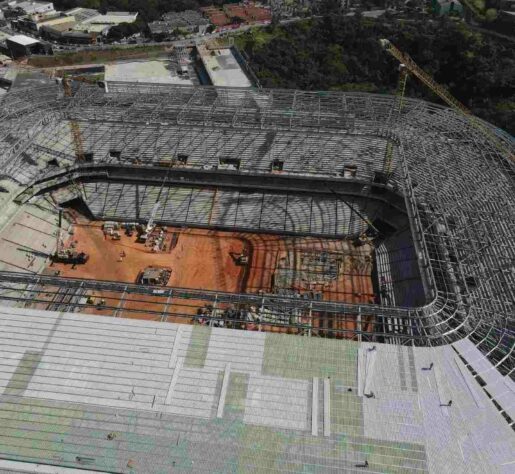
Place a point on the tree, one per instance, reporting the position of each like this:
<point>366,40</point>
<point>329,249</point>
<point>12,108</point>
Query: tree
<point>491,14</point>
<point>123,30</point>
<point>343,53</point>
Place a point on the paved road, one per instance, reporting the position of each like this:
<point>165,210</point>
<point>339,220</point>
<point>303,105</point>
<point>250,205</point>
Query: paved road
<point>181,42</point>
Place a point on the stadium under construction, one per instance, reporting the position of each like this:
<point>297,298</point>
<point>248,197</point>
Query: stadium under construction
<point>245,280</point>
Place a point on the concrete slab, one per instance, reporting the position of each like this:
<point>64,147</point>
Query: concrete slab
<point>275,402</point>
<point>155,71</point>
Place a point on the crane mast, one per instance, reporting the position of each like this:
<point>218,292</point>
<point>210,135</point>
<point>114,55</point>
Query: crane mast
<point>150,223</point>
<point>396,111</point>
<point>78,143</point>
<point>75,128</point>
<point>444,94</point>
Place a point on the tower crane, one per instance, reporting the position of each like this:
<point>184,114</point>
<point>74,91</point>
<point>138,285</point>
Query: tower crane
<point>444,94</point>
<point>76,133</point>
<point>396,111</point>
<point>75,128</point>
<point>150,223</point>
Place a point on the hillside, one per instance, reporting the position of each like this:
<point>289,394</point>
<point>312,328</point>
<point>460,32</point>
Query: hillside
<point>343,53</point>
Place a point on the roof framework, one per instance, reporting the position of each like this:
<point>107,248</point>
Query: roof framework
<point>459,190</point>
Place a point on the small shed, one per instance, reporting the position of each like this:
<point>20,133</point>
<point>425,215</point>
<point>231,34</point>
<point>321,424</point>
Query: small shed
<point>21,45</point>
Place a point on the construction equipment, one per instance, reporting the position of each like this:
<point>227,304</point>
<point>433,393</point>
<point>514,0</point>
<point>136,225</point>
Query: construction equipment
<point>66,255</point>
<point>150,224</point>
<point>129,229</point>
<point>395,113</point>
<point>426,79</point>
<point>75,128</point>
<point>70,256</point>
<point>242,258</point>
<point>154,276</point>
<point>76,133</point>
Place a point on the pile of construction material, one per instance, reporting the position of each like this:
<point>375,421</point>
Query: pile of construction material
<point>155,276</point>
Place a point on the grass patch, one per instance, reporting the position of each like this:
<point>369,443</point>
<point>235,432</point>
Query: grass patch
<point>256,38</point>
<point>97,57</point>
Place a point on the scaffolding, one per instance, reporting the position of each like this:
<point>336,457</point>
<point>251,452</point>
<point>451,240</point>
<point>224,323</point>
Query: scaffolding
<point>458,187</point>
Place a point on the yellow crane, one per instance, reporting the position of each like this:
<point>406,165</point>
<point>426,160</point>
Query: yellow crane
<point>444,94</point>
<point>75,128</point>
<point>397,108</point>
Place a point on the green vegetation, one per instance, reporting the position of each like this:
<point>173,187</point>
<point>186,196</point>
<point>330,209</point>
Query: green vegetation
<point>293,357</point>
<point>22,376</point>
<point>236,393</point>
<point>97,57</point>
<point>390,457</point>
<point>258,37</point>
<point>197,349</point>
<point>346,410</point>
<point>343,53</point>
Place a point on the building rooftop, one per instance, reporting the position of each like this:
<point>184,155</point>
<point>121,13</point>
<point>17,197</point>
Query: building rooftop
<point>247,12</point>
<point>112,18</point>
<point>222,68</point>
<point>82,13</point>
<point>59,27</point>
<point>94,22</point>
<point>23,40</point>
<point>157,27</point>
<point>156,71</point>
<point>170,21</point>
<point>191,17</point>
<point>30,5</point>
<point>91,27</point>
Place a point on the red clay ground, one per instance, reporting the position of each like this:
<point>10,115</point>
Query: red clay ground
<point>205,259</point>
<point>199,260</point>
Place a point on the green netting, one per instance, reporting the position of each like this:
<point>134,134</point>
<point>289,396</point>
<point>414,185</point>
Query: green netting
<point>236,393</point>
<point>197,349</point>
<point>302,357</point>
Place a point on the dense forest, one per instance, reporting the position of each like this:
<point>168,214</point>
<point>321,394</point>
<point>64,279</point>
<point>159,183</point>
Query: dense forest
<point>343,53</point>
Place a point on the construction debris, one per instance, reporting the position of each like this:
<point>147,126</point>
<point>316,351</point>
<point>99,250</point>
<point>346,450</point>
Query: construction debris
<point>154,276</point>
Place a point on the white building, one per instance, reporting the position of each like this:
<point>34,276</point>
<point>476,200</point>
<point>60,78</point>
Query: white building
<point>31,7</point>
<point>21,45</point>
<point>222,67</point>
<point>92,21</point>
